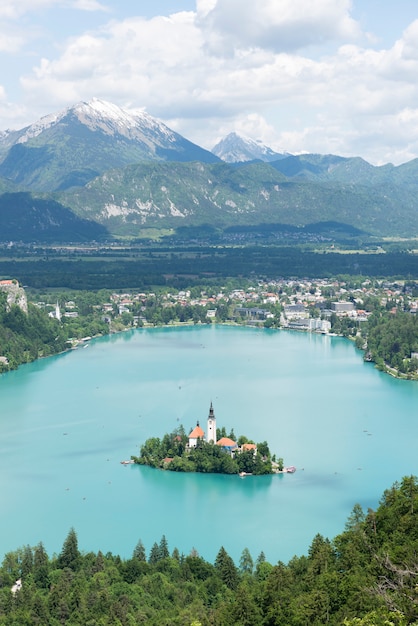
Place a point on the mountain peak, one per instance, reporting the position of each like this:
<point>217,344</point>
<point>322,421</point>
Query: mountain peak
<point>236,148</point>
<point>100,115</point>
<point>85,140</point>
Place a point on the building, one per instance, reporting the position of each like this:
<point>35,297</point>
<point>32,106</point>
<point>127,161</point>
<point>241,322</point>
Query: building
<point>295,311</point>
<point>342,307</point>
<point>199,434</point>
<point>211,432</point>
<point>196,434</point>
<point>227,444</point>
<point>311,324</point>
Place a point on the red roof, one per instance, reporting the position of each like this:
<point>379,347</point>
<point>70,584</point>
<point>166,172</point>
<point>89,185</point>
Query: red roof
<point>248,446</point>
<point>197,433</point>
<point>226,442</point>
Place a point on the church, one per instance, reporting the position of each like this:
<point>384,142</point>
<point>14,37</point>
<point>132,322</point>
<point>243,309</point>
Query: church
<point>198,432</point>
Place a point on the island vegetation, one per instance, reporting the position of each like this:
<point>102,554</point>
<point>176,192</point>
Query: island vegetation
<point>173,452</point>
<point>365,576</point>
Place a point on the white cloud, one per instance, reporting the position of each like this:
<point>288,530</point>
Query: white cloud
<point>279,25</point>
<point>14,9</point>
<point>183,69</point>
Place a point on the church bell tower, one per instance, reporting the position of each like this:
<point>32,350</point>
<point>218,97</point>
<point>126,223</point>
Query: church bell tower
<point>211,430</point>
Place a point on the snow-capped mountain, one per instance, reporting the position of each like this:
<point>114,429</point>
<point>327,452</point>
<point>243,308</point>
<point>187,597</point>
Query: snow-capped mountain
<point>235,148</point>
<point>73,146</point>
<point>108,118</point>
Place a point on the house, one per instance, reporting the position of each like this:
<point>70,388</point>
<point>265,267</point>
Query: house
<point>227,444</point>
<point>196,434</point>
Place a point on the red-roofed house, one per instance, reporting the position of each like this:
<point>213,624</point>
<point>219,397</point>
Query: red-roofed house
<point>197,433</point>
<point>227,443</point>
<point>249,446</point>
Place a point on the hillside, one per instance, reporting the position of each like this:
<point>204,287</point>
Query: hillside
<point>171,195</point>
<point>26,218</point>
<point>26,333</point>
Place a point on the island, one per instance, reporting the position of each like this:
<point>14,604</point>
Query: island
<point>210,452</point>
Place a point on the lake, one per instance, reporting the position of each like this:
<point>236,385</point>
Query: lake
<point>66,423</point>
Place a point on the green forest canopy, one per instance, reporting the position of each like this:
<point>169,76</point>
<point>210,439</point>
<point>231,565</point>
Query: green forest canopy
<point>366,576</point>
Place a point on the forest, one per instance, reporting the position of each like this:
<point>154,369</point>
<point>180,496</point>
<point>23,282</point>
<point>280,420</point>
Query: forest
<point>144,267</point>
<point>391,339</point>
<point>25,337</point>
<point>365,576</point>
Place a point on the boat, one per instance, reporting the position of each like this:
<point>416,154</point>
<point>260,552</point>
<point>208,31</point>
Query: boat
<point>291,469</point>
<point>127,462</point>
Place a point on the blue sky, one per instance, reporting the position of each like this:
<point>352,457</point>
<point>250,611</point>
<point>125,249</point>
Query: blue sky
<point>329,76</point>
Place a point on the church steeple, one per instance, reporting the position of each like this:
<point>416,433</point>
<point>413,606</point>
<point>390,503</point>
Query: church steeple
<point>211,430</point>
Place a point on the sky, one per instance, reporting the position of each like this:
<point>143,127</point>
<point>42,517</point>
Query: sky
<point>324,76</point>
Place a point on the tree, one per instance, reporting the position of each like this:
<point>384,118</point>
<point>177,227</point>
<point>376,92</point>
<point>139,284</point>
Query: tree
<point>40,566</point>
<point>27,561</point>
<point>139,552</point>
<point>246,563</point>
<point>154,555</point>
<point>226,569</point>
<point>163,548</point>
<point>70,555</point>
<point>263,449</point>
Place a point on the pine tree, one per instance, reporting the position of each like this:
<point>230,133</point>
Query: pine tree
<point>246,563</point>
<point>27,561</point>
<point>226,568</point>
<point>70,555</point>
<point>163,548</point>
<point>139,552</point>
<point>40,566</point>
<point>154,555</point>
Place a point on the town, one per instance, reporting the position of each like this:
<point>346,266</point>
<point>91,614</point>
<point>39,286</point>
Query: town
<point>339,306</point>
<point>310,305</point>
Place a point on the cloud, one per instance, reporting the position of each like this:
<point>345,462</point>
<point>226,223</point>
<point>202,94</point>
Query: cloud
<point>14,9</point>
<point>206,73</point>
<point>278,25</point>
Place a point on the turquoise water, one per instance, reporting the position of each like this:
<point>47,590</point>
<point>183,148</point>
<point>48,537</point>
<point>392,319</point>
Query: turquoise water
<point>67,422</point>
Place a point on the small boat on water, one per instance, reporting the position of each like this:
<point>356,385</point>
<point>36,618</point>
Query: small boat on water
<point>127,462</point>
<point>291,469</point>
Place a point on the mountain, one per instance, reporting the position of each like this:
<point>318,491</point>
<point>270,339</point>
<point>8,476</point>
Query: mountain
<point>28,219</point>
<point>236,148</point>
<point>95,170</point>
<point>75,145</point>
<point>171,195</point>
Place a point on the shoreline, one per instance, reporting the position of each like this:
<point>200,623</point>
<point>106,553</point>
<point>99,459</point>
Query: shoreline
<point>83,342</point>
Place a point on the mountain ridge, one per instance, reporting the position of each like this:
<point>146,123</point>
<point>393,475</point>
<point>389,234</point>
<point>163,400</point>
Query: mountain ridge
<point>126,171</point>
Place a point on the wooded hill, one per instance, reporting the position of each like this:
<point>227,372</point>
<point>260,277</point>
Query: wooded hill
<point>170,195</point>
<point>366,576</point>
<point>133,200</point>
